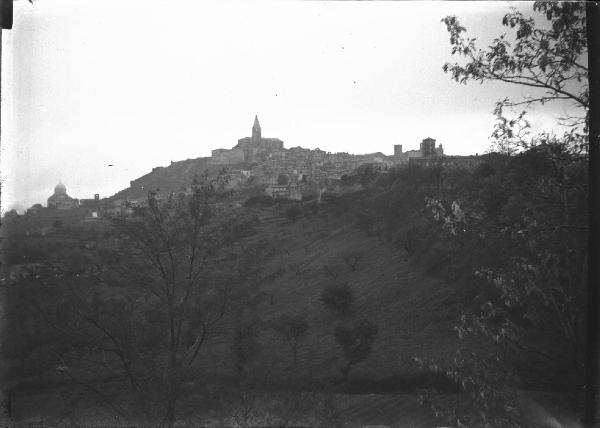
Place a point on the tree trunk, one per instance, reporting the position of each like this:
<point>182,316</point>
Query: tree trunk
<point>295,351</point>
<point>7,403</point>
<point>171,401</point>
<point>172,388</point>
<point>346,372</point>
<point>169,420</point>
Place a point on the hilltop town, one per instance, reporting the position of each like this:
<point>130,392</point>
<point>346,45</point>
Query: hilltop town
<point>276,281</point>
<point>255,162</point>
<point>282,172</point>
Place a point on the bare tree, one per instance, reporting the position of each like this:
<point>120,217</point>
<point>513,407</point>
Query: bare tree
<point>352,258</point>
<point>334,270</point>
<point>293,329</point>
<point>142,306</point>
<point>171,243</point>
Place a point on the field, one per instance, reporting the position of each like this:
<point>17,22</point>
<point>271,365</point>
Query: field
<point>415,313</point>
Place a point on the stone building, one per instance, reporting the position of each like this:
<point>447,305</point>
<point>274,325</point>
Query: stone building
<point>92,205</point>
<point>284,191</point>
<point>278,191</point>
<point>60,200</point>
<point>427,150</point>
<point>248,149</point>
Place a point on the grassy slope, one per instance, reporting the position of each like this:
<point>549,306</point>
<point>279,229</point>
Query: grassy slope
<point>414,311</point>
<point>409,307</point>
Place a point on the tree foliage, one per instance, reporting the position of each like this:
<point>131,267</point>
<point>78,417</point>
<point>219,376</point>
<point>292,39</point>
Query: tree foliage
<point>338,299</point>
<point>356,342</point>
<point>352,258</point>
<point>246,300</point>
<point>137,303</point>
<point>509,239</point>
<point>282,179</point>
<point>550,58</point>
<point>526,216</point>
<point>293,212</point>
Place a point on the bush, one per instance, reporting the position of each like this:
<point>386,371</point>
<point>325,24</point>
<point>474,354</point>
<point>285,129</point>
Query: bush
<point>339,299</point>
<point>282,179</point>
<point>356,342</point>
<point>293,213</point>
<point>334,270</point>
<point>259,201</point>
<point>329,198</point>
<point>313,206</point>
<point>352,258</point>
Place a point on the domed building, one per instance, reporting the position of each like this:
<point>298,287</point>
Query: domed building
<point>60,200</point>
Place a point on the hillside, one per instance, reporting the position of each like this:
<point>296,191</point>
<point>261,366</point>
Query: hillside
<point>167,179</point>
<point>412,309</point>
<point>414,278</point>
<point>415,312</point>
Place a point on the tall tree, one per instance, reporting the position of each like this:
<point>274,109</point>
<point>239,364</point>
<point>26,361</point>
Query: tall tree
<point>544,276</point>
<point>174,241</point>
<point>593,21</point>
<point>550,58</point>
<point>142,303</point>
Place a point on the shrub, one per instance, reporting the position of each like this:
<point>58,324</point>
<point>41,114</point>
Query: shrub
<point>328,197</point>
<point>352,258</point>
<point>282,179</point>
<point>313,206</point>
<point>339,299</point>
<point>334,270</point>
<point>259,200</point>
<point>356,342</point>
<point>293,213</point>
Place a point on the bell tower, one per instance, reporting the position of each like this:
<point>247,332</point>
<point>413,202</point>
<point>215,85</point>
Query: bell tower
<point>256,137</point>
<point>428,147</point>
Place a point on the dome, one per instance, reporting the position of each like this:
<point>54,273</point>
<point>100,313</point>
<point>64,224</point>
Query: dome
<point>60,189</point>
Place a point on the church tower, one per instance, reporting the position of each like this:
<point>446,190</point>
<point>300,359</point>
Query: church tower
<point>256,137</point>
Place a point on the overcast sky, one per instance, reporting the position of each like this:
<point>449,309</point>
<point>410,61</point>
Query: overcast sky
<point>138,83</point>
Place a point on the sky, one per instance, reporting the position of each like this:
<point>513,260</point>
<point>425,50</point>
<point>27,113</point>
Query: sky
<point>96,93</point>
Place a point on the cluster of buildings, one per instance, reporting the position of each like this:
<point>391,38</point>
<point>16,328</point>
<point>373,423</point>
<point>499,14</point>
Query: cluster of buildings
<point>268,154</point>
<point>60,206</point>
<point>61,201</point>
<point>249,149</point>
<point>284,173</point>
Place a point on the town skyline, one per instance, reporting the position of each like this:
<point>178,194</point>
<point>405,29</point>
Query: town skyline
<point>265,159</point>
<point>97,121</point>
